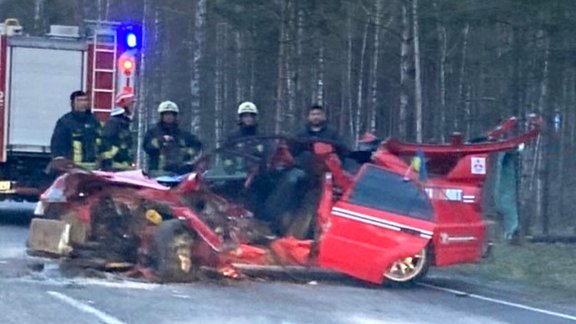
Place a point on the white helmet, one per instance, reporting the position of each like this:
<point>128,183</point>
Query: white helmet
<point>247,107</point>
<point>168,106</point>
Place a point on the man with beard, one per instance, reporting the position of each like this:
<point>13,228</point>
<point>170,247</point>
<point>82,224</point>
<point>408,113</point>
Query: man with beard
<point>169,148</point>
<point>318,128</point>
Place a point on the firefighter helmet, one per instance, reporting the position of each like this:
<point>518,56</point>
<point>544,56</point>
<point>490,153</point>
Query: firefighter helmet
<point>168,106</point>
<point>125,94</point>
<point>247,107</point>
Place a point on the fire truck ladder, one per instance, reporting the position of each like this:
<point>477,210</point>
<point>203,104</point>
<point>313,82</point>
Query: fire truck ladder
<point>102,94</point>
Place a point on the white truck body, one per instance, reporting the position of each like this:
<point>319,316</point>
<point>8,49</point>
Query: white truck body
<point>40,80</point>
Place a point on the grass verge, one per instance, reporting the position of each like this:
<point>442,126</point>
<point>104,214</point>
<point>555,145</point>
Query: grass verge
<point>551,266</point>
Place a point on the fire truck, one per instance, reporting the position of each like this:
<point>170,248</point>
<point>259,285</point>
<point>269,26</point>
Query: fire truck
<point>37,75</point>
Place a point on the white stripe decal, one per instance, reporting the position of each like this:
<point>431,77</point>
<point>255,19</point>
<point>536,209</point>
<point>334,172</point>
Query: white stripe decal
<point>394,228</point>
<point>460,238</point>
<point>362,220</point>
<point>381,220</point>
<point>377,221</point>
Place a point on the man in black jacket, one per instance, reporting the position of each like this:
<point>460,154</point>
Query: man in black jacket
<point>169,148</point>
<point>77,134</point>
<point>317,127</point>
<point>117,148</point>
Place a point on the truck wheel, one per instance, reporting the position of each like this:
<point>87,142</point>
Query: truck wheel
<point>411,269</point>
<point>172,259</point>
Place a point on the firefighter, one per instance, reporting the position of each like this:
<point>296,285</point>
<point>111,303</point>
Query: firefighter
<point>247,127</point>
<point>117,150</point>
<point>247,122</point>
<point>77,134</point>
<point>169,148</point>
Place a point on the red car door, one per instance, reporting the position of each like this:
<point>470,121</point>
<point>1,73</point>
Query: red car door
<point>382,218</point>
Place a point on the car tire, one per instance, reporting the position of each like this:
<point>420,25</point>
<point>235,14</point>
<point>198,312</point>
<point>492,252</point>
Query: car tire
<point>171,249</point>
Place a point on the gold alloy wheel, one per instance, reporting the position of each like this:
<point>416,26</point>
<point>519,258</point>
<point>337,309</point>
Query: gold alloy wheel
<point>406,269</point>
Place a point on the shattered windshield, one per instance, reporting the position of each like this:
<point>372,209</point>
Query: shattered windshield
<point>383,190</point>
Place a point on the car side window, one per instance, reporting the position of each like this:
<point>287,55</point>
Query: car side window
<point>384,190</point>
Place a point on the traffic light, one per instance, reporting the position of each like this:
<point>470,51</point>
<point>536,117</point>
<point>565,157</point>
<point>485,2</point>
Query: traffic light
<point>126,64</point>
<point>129,37</point>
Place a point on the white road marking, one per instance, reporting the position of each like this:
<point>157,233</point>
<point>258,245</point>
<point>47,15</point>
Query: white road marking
<point>84,282</point>
<point>105,318</point>
<point>499,301</point>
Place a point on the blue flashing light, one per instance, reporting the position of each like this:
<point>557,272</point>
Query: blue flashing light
<point>131,40</point>
<point>129,37</point>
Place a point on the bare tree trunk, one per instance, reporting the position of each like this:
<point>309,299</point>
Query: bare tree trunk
<point>468,109</point>
<point>371,122</point>
<point>320,77</point>
<point>291,66</point>
<point>417,78</point>
<point>225,79</point>
<point>280,90</point>
<point>38,10</point>
<point>107,10</point>
<point>239,68</point>
<point>348,80</point>
<point>219,83</point>
<point>196,50</point>
<point>159,54</point>
<point>572,137</point>
<point>560,179</point>
<point>360,93</point>
<point>141,111</point>
<point>99,9</point>
<point>252,76</point>
<point>299,68</point>
<point>461,98</point>
<point>541,183</point>
<point>442,73</point>
<point>404,67</point>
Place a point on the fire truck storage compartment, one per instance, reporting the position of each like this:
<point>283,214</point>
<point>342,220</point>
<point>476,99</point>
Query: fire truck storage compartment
<point>41,79</point>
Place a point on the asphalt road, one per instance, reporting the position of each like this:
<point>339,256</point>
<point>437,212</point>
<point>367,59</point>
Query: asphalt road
<point>30,295</point>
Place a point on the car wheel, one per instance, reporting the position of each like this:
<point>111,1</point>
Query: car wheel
<point>410,269</point>
<point>172,259</point>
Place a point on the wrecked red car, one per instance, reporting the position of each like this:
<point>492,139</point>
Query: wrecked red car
<point>292,203</point>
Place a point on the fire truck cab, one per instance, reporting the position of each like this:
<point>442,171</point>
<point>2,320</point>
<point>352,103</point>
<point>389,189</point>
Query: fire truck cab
<point>37,75</point>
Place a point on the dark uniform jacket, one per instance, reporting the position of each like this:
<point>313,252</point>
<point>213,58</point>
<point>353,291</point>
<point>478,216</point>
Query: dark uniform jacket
<point>233,163</point>
<point>169,154</point>
<point>324,133</point>
<point>117,149</point>
<point>76,137</point>
<point>240,133</point>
